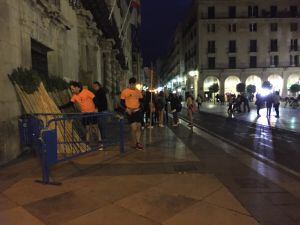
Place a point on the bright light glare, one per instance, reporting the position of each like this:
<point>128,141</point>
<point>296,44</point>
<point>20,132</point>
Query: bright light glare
<point>179,79</point>
<point>179,90</point>
<point>194,73</point>
<point>159,89</point>
<point>139,86</point>
<point>293,120</point>
<point>264,92</point>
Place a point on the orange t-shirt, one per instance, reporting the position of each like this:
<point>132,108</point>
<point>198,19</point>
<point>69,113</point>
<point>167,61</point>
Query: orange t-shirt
<point>85,100</point>
<point>131,98</point>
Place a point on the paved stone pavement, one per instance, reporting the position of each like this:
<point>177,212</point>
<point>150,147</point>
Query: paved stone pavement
<point>289,118</point>
<point>181,178</point>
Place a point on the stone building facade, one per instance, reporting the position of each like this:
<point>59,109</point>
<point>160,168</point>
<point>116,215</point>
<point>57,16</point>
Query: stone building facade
<point>228,42</point>
<point>72,39</point>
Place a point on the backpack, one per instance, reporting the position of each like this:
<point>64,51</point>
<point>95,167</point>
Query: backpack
<point>179,107</point>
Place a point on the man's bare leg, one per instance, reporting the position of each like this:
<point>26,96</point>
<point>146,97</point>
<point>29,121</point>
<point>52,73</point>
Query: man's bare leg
<point>138,133</point>
<point>88,133</point>
<point>133,132</point>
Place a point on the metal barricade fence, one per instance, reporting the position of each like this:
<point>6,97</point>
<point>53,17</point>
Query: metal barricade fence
<point>62,137</point>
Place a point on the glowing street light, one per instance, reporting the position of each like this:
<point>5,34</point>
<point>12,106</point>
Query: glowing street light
<point>139,86</point>
<point>193,73</point>
<point>179,79</point>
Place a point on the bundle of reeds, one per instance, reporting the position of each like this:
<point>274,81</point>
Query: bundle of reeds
<point>36,100</point>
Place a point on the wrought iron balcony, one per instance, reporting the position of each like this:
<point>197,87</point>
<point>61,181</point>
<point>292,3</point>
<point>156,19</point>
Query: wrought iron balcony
<point>100,12</point>
<point>74,3</point>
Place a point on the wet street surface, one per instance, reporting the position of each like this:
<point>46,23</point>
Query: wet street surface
<point>280,146</point>
<point>289,118</point>
<point>269,203</point>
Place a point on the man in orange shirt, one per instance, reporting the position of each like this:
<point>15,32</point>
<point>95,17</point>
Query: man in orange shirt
<point>130,99</point>
<point>84,100</point>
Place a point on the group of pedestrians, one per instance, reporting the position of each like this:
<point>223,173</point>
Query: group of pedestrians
<point>88,103</point>
<point>268,101</point>
<point>237,103</point>
<point>156,107</point>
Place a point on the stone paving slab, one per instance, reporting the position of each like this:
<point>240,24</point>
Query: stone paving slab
<point>166,184</point>
<point>205,213</point>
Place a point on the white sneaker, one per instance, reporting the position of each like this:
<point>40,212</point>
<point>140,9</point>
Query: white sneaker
<point>100,147</point>
<point>160,125</point>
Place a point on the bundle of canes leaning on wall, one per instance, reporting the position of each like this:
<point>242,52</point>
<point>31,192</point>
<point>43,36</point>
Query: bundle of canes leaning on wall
<point>36,100</point>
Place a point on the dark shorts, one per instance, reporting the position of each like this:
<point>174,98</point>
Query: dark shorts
<point>135,117</point>
<point>89,119</point>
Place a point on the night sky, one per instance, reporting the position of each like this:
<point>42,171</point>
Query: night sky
<point>159,21</point>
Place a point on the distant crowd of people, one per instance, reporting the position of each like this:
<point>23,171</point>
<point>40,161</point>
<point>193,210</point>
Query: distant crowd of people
<point>241,103</point>
<point>268,101</point>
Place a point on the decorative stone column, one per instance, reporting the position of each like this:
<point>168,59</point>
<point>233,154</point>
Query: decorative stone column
<point>114,69</point>
<point>107,47</point>
<point>285,75</point>
<point>222,84</point>
<point>107,53</point>
<point>119,78</point>
<point>88,35</point>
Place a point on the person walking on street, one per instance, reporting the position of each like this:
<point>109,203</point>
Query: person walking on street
<point>146,103</point>
<point>231,100</point>
<point>276,103</point>
<point>160,106</point>
<point>100,97</point>
<point>269,103</point>
<point>152,110</point>
<point>175,108</point>
<point>167,100</point>
<point>199,101</point>
<point>143,109</point>
<point>259,103</point>
<point>117,104</point>
<point>245,101</point>
<point>190,103</point>
<point>130,100</point>
<point>101,105</point>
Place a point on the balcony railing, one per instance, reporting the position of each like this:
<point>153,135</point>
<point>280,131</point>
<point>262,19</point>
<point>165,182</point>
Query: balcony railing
<point>211,50</point>
<point>253,49</point>
<point>263,14</point>
<point>74,3</point>
<point>273,49</point>
<point>294,48</point>
<point>231,50</point>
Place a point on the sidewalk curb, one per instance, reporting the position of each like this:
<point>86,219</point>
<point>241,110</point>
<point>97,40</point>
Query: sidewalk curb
<point>249,152</point>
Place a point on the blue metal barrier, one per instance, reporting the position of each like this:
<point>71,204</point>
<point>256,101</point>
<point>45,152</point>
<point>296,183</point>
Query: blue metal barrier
<point>29,131</point>
<point>62,137</point>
